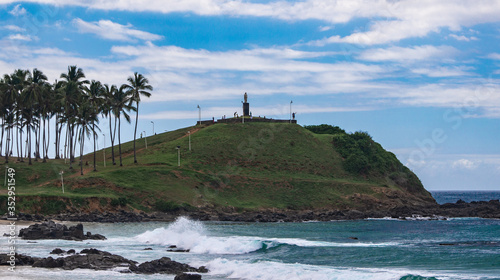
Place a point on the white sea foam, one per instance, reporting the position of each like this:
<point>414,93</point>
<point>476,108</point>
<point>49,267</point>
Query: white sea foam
<point>192,235</point>
<point>268,270</point>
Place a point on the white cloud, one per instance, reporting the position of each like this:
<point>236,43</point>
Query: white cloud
<point>274,111</point>
<point>441,71</point>
<point>463,38</point>
<point>391,20</point>
<point>19,37</point>
<point>324,28</point>
<point>18,11</point>
<point>465,164</point>
<point>417,53</point>
<point>14,28</point>
<point>109,30</point>
<point>494,56</point>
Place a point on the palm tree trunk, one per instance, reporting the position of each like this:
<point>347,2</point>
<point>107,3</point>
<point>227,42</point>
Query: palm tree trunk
<point>17,142</point>
<point>119,141</point>
<point>93,132</point>
<point>1,139</point>
<point>70,145</point>
<point>112,138</point>
<point>82,142</point>
<point>7,147</point>
<point>44,142</point>
<point>21,140</point>
<point>48,141</point>
<point>29,146</point>
<point>39,139</point>
<point>135,130</point>
<point>56,143</point>
<point>36,144</point>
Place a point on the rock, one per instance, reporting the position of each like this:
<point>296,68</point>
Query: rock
<point>148,249</point>
<point>51,230</point>
<point>57,251</point>
<point>185,276</point>
<point>166,266</point>
<point>19,259</point>
<point>49,262</point>
<point>353,238</point>
<point>71,251</point>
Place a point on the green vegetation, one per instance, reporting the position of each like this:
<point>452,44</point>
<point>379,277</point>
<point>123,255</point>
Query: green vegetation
<point>230,166</point>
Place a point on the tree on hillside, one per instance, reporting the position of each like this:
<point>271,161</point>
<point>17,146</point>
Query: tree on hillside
<point>138,86</point>
<point>107,111</point>
<point>85,119</point>
<point>32,95</point>
<point>122,105</point>
<point>72,88</point>
<point>95,97</point>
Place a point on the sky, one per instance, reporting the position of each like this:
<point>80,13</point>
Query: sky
<point>421,77</point>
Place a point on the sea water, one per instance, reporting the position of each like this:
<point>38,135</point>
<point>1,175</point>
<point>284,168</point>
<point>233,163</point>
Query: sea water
<point>457,248</point>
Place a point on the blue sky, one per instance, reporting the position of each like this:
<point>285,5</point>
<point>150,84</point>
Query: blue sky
<point>422,77</point>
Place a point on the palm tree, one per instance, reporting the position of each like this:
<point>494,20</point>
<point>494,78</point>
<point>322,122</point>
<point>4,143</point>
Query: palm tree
<point>32,98</point>
<point>137,86</point>
<point>121,105</point>
<point>84,119</point>
<point>73,86</point>
<point>107,109</point>
<point>94,95</point>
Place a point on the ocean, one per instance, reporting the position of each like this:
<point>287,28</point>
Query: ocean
<point>457,248</point>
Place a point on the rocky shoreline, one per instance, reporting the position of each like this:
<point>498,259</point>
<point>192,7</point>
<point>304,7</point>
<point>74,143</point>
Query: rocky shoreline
<point>482,209</point>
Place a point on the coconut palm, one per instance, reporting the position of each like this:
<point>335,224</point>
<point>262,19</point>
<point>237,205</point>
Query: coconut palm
<point>95,96</point>
<point>107,110</point>
<point>122,105</point>
<point>72,88</point>
<point>138,86</point>
<point>32,99</point>
<point>84,119</point>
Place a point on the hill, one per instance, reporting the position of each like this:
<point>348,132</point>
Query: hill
<point>231,167</point>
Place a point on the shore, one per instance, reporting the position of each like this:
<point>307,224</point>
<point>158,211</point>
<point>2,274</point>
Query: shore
<point>481,209</point>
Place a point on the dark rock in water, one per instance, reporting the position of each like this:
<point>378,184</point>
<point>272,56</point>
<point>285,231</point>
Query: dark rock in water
<point>446,244</point>
<point>57,251</point>
<point>165,265</point>
<point>178,250</point>
<point>51,230</point>
<point>71,251</point>
<point>353,238</point>
<point>49,262</point>
<point>185,276</point>
<point>148,249</point>
<point>19,259</point>
<point>90,259</point>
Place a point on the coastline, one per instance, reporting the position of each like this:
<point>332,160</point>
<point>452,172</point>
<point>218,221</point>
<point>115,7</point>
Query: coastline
<point>479,209</point>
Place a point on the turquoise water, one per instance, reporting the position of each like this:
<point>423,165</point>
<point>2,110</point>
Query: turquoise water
<point>384,249</point>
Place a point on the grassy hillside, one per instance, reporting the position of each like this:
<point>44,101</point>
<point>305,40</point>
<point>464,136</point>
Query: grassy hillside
<point>230,167</point>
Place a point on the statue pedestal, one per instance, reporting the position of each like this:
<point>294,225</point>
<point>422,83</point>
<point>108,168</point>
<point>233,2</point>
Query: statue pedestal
<point>246,109</point>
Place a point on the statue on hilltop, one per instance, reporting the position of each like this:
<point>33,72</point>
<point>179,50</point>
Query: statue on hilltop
<point>245,97</point>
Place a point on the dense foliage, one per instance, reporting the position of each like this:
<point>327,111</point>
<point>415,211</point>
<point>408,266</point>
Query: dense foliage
<point>29,103</point>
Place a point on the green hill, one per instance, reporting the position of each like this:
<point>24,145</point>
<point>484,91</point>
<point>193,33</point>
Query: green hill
<point>251,166</point>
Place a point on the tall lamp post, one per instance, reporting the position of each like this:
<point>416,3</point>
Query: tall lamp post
<point>199,115</point>
<point>189,136</point>
<point>178,155</point>
<point>291,111</point>
<point>153,127</point>
<point>145,139</point>
<point>104,150</point>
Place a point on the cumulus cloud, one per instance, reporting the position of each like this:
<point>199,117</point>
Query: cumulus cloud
<point>463,38</point>
<point>109,30</point>
<point>494,56</point>
<point>14,28</point>
<point>465,164</point>
<point>18,11</point>
<point>391,20</point>
<point>20,37</point>
<point>417,53</point>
